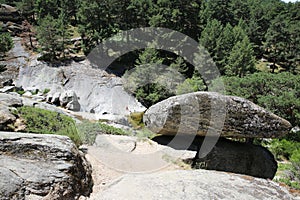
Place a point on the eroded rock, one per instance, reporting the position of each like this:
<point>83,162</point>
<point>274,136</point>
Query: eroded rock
<point>243,119</point>
<point>43,165</point>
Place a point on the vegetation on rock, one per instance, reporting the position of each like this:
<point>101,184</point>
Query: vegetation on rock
<point>48,122</point>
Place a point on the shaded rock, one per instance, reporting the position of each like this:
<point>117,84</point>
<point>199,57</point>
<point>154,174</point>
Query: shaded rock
<point>7,103</point>
<point>54,99</point>
<point>10,100</point>
<point>9,82</point>
<point>191,185</point>
<point>230,156</point>
<point>7,89</point>
<point>69,100</point>
<point>9,13</point>
<point>6,118</point>
<point>45,165</point>
<point>13,28</point>
<point>73,105</point>
<point>243,118</point>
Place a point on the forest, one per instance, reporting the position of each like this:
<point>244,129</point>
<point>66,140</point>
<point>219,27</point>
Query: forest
<point>254,43</point>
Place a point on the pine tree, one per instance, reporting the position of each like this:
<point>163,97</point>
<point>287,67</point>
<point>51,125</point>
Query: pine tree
<point>6,43</point>
<point>241,60</point>
<point>52,35</point>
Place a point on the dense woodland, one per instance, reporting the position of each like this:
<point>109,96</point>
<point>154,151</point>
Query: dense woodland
<point>254,43</point>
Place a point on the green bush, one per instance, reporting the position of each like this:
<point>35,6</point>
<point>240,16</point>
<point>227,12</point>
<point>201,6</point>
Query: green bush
<point>283,149</point>
<point>47,122</point>
<point>88,131</point>
<point>46,91</point>
<point>6,42</point>
<point>136,119</point>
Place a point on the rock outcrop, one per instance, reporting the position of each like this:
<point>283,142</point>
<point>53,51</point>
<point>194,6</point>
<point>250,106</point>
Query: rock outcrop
<point>7,104</point>
<point>97,91</point>
<point>191,185</point>
<point>9,13</point>
<point>46,166</point>
<point>15,59</point>
<point>244,119</point>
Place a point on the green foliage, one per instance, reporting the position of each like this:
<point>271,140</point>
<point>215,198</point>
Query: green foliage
<point>145,81</point>
<point>51,34</point>
<point>282,40</point>
<point>3,68</point>
<point>136,119</point>
<point>193,84</point>
<point>6,43</point>
<point>88,131</point>
<point>46,91</point>
<point>241,60</point>
<point>282,148</point>
<point>278,93</point>
<point>48,122</point>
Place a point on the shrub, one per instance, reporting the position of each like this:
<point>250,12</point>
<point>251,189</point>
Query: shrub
<point>88,131</point>
<point>6,42</point>
<point>46,91</point>
<point>136,119</point>
<point>48,122</point>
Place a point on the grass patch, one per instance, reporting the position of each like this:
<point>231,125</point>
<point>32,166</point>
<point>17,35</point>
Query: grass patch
<point>88,131</point>
<point>288,172</point>
<point>48,122</point>
<point>145,133</point>
<point>136,120</point>
<point>46,91</point>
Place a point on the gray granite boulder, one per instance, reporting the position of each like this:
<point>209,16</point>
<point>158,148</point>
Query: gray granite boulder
<point>196,113</point>
<point>42,165</point>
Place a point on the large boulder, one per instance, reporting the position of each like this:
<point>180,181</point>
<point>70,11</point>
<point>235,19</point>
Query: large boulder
<point>243,119</point>
<point>42,165</point>
<point>7,104</point>
<point>6,118</point>
<point>229,156</point>
<point>191,185</point>
<point>10,100</point>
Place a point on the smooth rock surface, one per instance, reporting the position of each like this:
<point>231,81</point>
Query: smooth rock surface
<point>43,165</point>
<point>15,59</point>
<point>97,90</point>
<point>191,185</point>
<point>192,114</point>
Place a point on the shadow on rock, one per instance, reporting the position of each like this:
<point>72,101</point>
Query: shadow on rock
<point>229,156</point>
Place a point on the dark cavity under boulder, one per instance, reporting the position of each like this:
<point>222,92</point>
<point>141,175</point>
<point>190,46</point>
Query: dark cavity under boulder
<point>230,156</point>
